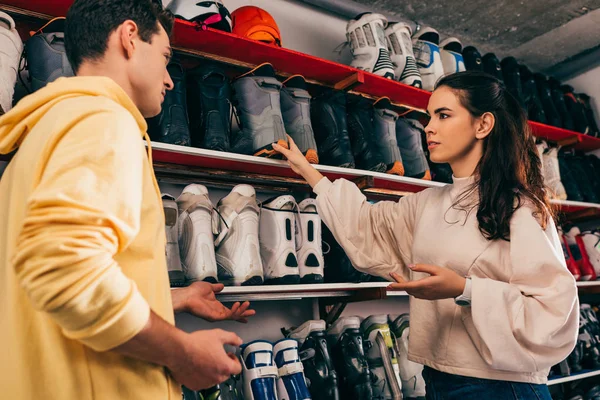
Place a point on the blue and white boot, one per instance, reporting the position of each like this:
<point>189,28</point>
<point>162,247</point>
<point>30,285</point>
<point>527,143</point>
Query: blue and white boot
<point>258,371</point>
<point>452,58</point>
<point>427,52</point>
<point>291,384</point>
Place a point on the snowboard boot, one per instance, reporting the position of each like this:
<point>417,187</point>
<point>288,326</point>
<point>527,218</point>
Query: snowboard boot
<point>408,136</point>
<point>427,53</point>
<point>309,242</point>
<point>531,99</point>
<point>473,60</point>
<point>384,121</point>
<point>568,180</point>
<point>586,265</point>
<point>552,114</point>
<point>559,103</point>
<point>385,373</point>
<point>278,241</point>
<point>411,373</point>
<point>572,264</point>
<point>591,353</point>
<point>209,99</point>
<point>291,384</point>
<point>360,129</point>
<point>586,101</point>
<point>196,241</point>
<point>339,267</point>
<point>223,391</point>
<point>46,56</point>
<point>295,108</point>
<point>11,48</point>
<point>328,117</point>
<point>584,182</point>
<point>176,275</point>
<point>587,272</point>
<point>366,37</point>
<point>452,58</point>
<point>258,371</point>
<point>491,65</point>
<point>346,342</point>
<point>401,52</point>
<point>552,177</point>
<point>172,125</point>
<point>591,242</point>
<point>576,110</point>
<point>512,78</point>
<point>258,103</point>
<point>320,374</point>
<point>237,245</point>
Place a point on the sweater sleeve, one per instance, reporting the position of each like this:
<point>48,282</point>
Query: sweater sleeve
<point>84,210</point>
<point>376,237</point>
<point>530,322</point>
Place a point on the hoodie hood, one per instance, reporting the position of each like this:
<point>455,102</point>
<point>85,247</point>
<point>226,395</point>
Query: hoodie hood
<point>17,123</point>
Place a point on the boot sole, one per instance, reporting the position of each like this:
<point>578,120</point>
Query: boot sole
<point>311,156</point>
<point>378,168</point>
<point>269,152</point>
<point>176,278</point>
<point>285,280</point>
<point>396,169</point>
<point>312,278</point>
<point>255,280</point>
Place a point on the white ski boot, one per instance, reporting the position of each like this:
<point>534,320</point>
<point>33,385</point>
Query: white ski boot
<point>176,275</point>
<point>258,371</point>
<point>551,172</point>
<point>413,384</point>
<point>401,53</point>
<point>291,384</point>
<point>427,52</point>
<point>196,240</point>
<point>309,243</point>
<point>385,375</point>
<point>367,41</point>
<point>11,48</point>
<point>278,241</point>
<point>452,58</point>
<point>238,249</point>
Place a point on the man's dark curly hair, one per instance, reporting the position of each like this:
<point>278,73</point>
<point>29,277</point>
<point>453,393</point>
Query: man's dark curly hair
<point>90,23</point>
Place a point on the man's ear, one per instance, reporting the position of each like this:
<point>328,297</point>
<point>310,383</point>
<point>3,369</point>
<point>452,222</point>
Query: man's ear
<point>485,125</point>
<point>128,32</point>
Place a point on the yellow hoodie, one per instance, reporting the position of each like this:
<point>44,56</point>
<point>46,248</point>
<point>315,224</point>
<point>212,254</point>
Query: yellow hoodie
<point>82,246</point>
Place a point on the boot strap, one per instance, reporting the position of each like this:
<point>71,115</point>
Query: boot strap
<point>290,369</point>
<point>261,372</point>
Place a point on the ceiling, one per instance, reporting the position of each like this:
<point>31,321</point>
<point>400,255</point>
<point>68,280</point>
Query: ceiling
<point>554,36</point>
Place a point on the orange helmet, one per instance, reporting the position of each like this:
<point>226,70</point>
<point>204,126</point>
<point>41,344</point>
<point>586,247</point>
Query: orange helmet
<point>255,23</point>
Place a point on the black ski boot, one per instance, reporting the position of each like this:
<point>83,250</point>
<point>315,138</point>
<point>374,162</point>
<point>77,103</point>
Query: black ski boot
<point>492,66</point>
<point>512,78</point>
<point>408,135</point>
<point>585,100</point>
<point>209,99</point>
<point>339,267</point>
<point>472,57</point>
<point>172,125</point>
<point>576,109</point>
<point>568,180</point>
<point>346,342</point>
<point>559,102</point>
<point>533,104</point>
<point>552,114</point>
<point>360,129</point>
<point>328,117</point>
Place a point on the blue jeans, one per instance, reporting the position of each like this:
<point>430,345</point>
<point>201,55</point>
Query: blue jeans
<point>442,386</point>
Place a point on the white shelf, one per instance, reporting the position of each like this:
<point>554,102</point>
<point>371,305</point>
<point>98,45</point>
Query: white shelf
<point>298,292</point>
<point>574,377</point>
<point>570,203</point>
<point>588,283</point>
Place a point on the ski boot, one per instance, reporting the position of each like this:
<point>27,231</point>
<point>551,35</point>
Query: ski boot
<point>223,391</point>
<point>295,108</point>
<point>345,340</point>
<point>552,114</point>
<point>384,121</point>
<point>258,103</point>
<point>589,112</point>
<point>413,384</point>
<point>591,242</point>
<point>551,169</point>
<point>531,98</point>
<point>291,384</point>
<point>576,109</point>
<point>259,372</point>
<point>408,136</point>
<point>491,65</point>
<point>361,128</point>
<point>427,52</point>
<point>572,264</point>
<point>320,374</point>
<point>196,241</point>
<point>385,373</point>
<point>473,60</point>
<point>238,254</point>
<point>328,117</point>
<point>401,53</point>
<point>568,180</point>
<point>278,241</point>
<point>339,267</point>
<point>452,58</point>
<point>309,243</point>
<point>366,37</point>
<point>209,99</point>
<point>11,48</point>
<point>176,275</point>
<point>559,103</point>
<point>512,78</point>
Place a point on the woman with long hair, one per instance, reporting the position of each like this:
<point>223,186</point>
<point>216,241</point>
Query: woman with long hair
<point>492,304</point>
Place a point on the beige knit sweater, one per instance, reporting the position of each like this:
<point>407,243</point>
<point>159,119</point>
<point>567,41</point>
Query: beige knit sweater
<point>524,315</point>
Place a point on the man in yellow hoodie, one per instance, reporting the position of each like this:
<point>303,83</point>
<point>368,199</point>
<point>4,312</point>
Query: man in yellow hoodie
<point>85,306</point>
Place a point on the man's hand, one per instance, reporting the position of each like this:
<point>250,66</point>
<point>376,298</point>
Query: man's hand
<point>199,299</point>
<point>442,284</point>
<point>204,362</point>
